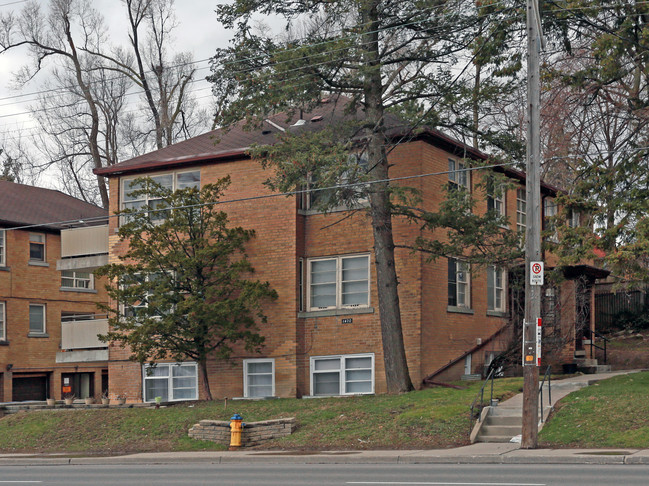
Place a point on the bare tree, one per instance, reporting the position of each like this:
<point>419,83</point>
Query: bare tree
<point>82,116</point>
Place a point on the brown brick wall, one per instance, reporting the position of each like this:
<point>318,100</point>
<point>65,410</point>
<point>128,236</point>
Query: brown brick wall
<point>22,284</point>
<point>433,335</point>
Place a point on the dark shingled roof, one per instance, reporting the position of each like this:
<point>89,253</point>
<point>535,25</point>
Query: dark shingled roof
<point>234,143</point>
<point>26,205</point>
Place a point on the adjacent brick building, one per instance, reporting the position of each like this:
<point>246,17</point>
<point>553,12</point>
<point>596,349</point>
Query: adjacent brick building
<point>48,342</point>
<point>323,332</point>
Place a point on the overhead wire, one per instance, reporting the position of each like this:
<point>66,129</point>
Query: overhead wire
<point>95,219</point>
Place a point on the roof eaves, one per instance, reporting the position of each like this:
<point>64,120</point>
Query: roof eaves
<point>173,161</point>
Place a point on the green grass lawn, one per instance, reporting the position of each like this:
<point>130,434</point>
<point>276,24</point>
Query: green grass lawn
<point>611,413</point>
<point>432,418</point>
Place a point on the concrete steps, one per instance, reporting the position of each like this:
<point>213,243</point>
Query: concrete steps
<point>590,366</point>
<point>501,424</point>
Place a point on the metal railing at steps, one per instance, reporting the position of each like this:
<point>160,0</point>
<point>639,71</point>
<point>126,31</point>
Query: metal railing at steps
<point>595,334</point>
<point>547,376</point>
<point>478,402</point>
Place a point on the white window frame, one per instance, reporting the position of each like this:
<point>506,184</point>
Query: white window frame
<point>126,181</point>
<point>341,381</point>
<point>493,290</point>
<point>339,282</point>
<point>462,267</point>
<point>76,280</point>
<point>246,376</point>
<point>521,210</point>
<point>42,243</point>
<point>3,321</point>
<point>498,201</point>
<point>169,379</point>
<point>44,330</point>
<point>124,307</point>
<point>458,175</point>
<point>574,218</point>
<point>3,247</point>
<point>550,210</point>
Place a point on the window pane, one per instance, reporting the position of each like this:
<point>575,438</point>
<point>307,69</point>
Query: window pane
<point>188,179</point>
<point>326,383</point>
<point>159,370</point>
<point>323,271</point>
<point>358,375</point>
<point>2,321</point>
<point>323,295</point>
<point>364,362</point>
<point>36,318</point>
<point>260,367</point>
<point>129,188</point>
<point>183,382</point>
<point>37,251</point>
<point>355,268</point>
<point>166,181</point>
<point>326,364</point>
<point>260,391</point>
<point>354,298</point>
<point>359,387</point>
<point>266,379</point>
<point>490,288</point>
<point>156,387</point>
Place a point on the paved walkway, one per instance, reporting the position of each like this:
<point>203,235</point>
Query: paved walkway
<point>480,453</point>
<point>561,388</point>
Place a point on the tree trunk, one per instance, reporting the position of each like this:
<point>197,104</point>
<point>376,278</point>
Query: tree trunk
<point>394,354</point>
<point>202,364</point>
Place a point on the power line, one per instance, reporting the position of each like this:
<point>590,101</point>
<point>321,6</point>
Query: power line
<point>256,198</point>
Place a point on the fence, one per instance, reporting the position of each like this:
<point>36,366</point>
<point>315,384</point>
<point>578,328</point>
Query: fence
<point>615,309</point>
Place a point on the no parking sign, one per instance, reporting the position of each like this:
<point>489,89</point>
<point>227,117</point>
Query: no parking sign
<point>536,273</point>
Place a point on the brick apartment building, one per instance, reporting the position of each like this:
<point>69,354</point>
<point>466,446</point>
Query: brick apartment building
<point>48,334</point>
<point>319,340</point>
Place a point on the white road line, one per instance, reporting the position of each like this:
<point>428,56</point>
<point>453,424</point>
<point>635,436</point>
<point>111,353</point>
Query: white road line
<point>445,483</point>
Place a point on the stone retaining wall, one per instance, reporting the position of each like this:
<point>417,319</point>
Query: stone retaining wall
<point>253,433</point>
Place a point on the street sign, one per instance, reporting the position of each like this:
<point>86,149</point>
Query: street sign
<point>536,273</point>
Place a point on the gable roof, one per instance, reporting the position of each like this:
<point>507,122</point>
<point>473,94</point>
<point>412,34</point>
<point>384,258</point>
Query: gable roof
<point>22,205</point>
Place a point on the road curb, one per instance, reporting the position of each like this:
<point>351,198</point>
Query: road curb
<point>332,458</point>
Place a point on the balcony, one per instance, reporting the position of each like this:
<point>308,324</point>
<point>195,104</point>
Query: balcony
<point>83,249</point>
<point>80,342</point>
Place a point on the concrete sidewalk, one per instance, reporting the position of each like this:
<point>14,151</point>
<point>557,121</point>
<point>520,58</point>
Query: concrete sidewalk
<point>474,454</point>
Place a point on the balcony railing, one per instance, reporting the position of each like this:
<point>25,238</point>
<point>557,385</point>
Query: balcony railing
<point>89,240</point>
<point>81,332</point>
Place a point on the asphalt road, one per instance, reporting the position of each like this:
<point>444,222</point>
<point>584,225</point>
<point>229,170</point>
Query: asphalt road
<point>326,475</point>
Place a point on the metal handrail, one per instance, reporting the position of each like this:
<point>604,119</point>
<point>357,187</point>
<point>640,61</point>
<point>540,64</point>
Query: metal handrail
<point>547,376</point>
<point>593,345</point>
<point>480,395</point>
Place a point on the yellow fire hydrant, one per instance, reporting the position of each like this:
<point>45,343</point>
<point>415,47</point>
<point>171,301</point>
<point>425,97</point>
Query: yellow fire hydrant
<point>236,428</point>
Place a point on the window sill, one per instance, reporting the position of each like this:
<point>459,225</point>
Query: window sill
<point>337,312</point>
<point>254,398</point>
<point>493,313</point>
<point>459,310</point>
<point>38,335</point>
<point>38,264</point>
<point>309,397</point>
<point>5,269</point>
<point>4,343</point>
<point>73,289</point>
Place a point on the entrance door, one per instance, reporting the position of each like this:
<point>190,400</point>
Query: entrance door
<point>81,385</point>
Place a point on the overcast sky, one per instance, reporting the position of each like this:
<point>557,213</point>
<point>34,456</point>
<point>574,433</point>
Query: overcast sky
<point>198,32</point>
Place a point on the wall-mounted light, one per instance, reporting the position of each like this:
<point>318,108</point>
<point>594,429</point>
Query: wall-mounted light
<point>9,366</point>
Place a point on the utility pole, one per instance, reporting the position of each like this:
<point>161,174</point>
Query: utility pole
<point>533,232</point>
